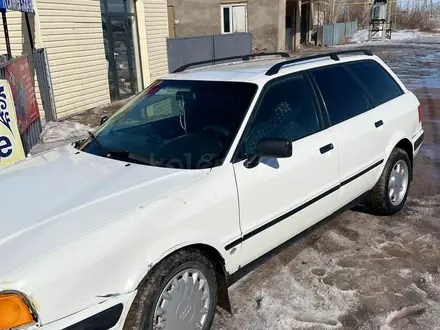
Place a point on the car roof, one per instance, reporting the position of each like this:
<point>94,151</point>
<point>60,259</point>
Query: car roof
<point>255,70</point>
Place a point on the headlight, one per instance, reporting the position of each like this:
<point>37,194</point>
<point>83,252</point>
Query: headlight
<point>14,311</point>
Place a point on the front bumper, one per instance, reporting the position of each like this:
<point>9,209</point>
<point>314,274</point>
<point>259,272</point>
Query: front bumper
<point>108,315</point>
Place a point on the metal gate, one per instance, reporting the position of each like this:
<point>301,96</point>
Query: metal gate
<point>39,67</point>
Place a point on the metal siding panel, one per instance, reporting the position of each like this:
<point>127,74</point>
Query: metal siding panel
<point>80,22</point>
<point>226,45</point>
<point>327,34</point>
<point>156,24</point>
<point>182,51</point>
<point>16,24</point>
<point>334,34</point>
<point>339,33</point>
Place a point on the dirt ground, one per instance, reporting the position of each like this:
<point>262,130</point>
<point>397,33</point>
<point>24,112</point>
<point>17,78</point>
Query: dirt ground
<point>360,271</point>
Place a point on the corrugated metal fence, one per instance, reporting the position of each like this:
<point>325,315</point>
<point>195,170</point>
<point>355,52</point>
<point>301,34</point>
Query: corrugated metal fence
<point>182,51</point>
<point>336,34</point>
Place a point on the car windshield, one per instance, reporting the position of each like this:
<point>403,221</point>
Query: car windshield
<point>175,123</point>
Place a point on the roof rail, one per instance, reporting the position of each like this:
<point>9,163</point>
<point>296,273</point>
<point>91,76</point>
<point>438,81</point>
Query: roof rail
<point>334,56</point>
<point>241,57</point>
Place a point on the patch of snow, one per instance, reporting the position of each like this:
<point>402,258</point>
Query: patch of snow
<point>63,131</point>
<point>402,313</point>
<point>361,36</point>
<point>56,134</point>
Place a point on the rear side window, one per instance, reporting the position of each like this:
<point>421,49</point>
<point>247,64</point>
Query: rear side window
<point>379,83</point>
<point>343,96</point>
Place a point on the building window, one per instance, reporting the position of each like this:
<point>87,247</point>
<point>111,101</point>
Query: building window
<point>234,18</point>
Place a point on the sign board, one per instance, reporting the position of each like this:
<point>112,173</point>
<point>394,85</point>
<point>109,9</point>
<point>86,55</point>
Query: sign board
<point>17,5</point>
<point>11,147</point>
<point>20,79</point>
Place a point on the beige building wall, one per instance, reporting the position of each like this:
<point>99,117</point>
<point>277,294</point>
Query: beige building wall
<point>16,25</point>
<point>71,31</point>
<point>156,23</point>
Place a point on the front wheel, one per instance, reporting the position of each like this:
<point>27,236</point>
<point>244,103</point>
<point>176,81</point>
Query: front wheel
<point>179,294</point>
<point>389,194</point>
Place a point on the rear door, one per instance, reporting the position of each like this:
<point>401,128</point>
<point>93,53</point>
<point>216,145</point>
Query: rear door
<point>396,111</point>
<point>356,128</point>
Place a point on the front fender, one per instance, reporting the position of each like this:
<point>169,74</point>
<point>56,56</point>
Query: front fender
<point>113,259</point>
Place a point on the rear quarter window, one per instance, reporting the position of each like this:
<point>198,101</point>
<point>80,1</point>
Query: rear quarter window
<point>378,82</point>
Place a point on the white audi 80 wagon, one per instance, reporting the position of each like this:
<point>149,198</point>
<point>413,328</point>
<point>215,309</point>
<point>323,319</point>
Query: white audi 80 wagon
<point>141,224</point>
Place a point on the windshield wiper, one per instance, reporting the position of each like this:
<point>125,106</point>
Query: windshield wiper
<point>120,154</point>
<point>95,140</point>
<point>129,156</point>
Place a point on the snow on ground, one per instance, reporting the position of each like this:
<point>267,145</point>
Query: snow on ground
<point>402,35</point>
<point>56,134</point>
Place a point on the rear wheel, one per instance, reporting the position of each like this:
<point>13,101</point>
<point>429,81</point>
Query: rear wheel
<point>180,293</point>
<point>391,191</point>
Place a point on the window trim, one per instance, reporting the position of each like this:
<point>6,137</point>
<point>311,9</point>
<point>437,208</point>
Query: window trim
<point>254,111</point>
<point>320,100</point>
<point>231,24</point>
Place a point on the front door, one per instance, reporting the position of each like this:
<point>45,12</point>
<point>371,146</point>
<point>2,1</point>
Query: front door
<point>282,197</point>
<point>119,26</point>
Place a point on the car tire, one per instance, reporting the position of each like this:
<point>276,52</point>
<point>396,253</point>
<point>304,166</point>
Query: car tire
<point>179,307</point>
<point>384,199</point>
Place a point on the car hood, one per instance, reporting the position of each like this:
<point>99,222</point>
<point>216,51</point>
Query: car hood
<point>49,200</point>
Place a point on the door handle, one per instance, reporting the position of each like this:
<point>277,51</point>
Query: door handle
<point>378,123</point>
<point>326,148</point>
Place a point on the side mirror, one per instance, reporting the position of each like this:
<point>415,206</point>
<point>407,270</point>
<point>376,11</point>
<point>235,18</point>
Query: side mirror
<point>103,120</point>
<point>270,148</point>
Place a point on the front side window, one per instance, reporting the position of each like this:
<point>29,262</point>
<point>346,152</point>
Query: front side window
<point>378,82</point>
<point>286,111</point>
<point>179,124</point>
<point>343,96</point>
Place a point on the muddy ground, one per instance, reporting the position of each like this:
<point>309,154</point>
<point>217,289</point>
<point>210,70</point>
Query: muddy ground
<point>360,271</point>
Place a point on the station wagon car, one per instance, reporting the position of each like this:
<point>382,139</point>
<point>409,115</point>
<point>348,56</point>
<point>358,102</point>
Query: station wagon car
<point>141,225</point>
